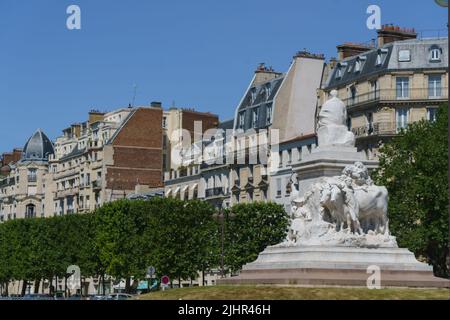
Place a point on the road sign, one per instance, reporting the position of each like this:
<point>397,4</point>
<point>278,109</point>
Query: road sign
<point>165,280</point>
<point>151,271</point>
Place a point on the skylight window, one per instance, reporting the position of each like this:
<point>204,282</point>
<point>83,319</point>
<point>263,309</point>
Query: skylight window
<point>404,55</point>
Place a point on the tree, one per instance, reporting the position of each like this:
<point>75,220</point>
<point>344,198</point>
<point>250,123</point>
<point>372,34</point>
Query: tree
<point>182,237</point>
<point>120,226</point>
<point>414,168</point>
<point>6,270</point>
<point>249,229</point>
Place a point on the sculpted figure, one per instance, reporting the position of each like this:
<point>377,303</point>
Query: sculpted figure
<point>344,210</point>
<point>332,129</point>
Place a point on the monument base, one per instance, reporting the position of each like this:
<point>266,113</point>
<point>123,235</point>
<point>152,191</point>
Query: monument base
<point>337,266</point>
<point>328,161</point>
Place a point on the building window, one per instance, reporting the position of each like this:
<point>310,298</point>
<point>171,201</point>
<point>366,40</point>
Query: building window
<point>280,159</point>
<point>352,95</point>
<point>279,192</point>
<point>434,86</point>
<point>241,120</point>
<point>432,114</point>
<point>255,117</point>
<point>349,123</point>
<point>32,175</point>
<point>268,90</point>
<point>30,211</point>
<point>269,115</point>
<point>402,88</point>
<point>252,96</point>
<point>379,59</point>
<point>369,117</point>
<point>359,64</point>
<point>164,123</point>
<point>435,54</point>
<point>374,89</point>
<point>339,72</point>
<point>402,118</point>
<point>404,56</point>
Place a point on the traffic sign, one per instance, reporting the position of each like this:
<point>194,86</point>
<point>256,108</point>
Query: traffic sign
<point>165,280</point>
<point>151,271</point>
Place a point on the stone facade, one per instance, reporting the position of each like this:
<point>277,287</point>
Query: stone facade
<point>276,112</point>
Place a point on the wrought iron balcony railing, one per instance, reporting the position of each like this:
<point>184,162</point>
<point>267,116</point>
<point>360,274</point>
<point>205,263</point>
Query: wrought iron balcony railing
<point>410,94</point>
<point>215,192</point>
<point>377,128</point>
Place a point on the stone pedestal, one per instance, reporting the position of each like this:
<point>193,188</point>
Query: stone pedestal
<point>337,266</point>
<point>327,161</point>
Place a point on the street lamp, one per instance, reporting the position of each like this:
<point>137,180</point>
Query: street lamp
<point>442,3</point>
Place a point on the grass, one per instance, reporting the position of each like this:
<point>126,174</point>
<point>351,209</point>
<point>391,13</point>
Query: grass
<point>295,293</point>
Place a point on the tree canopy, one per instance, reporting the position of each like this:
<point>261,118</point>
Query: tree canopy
<point>414,168</point>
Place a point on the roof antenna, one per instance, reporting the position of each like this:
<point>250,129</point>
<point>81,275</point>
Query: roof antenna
<point>134,95</point>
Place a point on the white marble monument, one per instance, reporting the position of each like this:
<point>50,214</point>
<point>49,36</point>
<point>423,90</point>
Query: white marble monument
<point>339,221</point>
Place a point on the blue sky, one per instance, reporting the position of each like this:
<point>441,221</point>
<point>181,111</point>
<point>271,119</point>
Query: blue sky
<point>196,53</point>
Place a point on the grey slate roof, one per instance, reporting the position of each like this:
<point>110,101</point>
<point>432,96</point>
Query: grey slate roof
<point>420,59</point>
<point>38,147</point>
<point>261,101</point>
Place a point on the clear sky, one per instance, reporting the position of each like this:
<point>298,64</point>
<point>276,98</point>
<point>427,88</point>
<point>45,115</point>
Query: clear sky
<point>194,53</point>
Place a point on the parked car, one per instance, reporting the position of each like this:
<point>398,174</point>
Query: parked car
<point>97,297</point>
<point>38,297</point>
<point>119,296</point>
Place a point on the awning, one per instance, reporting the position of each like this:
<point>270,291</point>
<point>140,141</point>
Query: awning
<point>184,189</point>
<point>176,191</point>
<point>195,186</point>
<point>168,192</point>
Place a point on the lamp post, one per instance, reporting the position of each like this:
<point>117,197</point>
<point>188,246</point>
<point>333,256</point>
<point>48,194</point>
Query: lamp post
<point>222,235</point>
<point>442,3</point>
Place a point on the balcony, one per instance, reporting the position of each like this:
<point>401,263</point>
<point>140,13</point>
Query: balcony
<point>376,129</point>
<point>67,192</point>
<point>97,184</point>
<point>393,95</point>
<point>215,192</point>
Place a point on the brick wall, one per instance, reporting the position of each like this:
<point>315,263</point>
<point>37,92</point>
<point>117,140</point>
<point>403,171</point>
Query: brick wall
<point>138,152</point>
<point>209,121</point>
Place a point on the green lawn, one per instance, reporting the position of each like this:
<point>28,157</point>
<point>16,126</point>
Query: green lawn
<point>295,293</point>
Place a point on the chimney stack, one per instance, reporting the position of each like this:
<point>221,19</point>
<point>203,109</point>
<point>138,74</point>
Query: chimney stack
<point>264,73</point>
<point>156,104</point>
<point>333,63</point>
<point>391,33</point>
<point>350,49</point>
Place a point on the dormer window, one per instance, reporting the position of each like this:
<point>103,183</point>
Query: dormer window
<point>268,90</point>
<point>381,56</point>
<point>269,115</point>
<point>359,64</point>
<point>241,120</point>
<point>339,72</point>
<point>435,54</point>
<point>252,96</point>
<point>379,59</point>
<point>404,55</point>
<point>255,117</point>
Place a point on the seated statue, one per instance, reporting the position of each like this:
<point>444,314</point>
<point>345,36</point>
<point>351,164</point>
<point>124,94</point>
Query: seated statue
<point>332,129</point>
